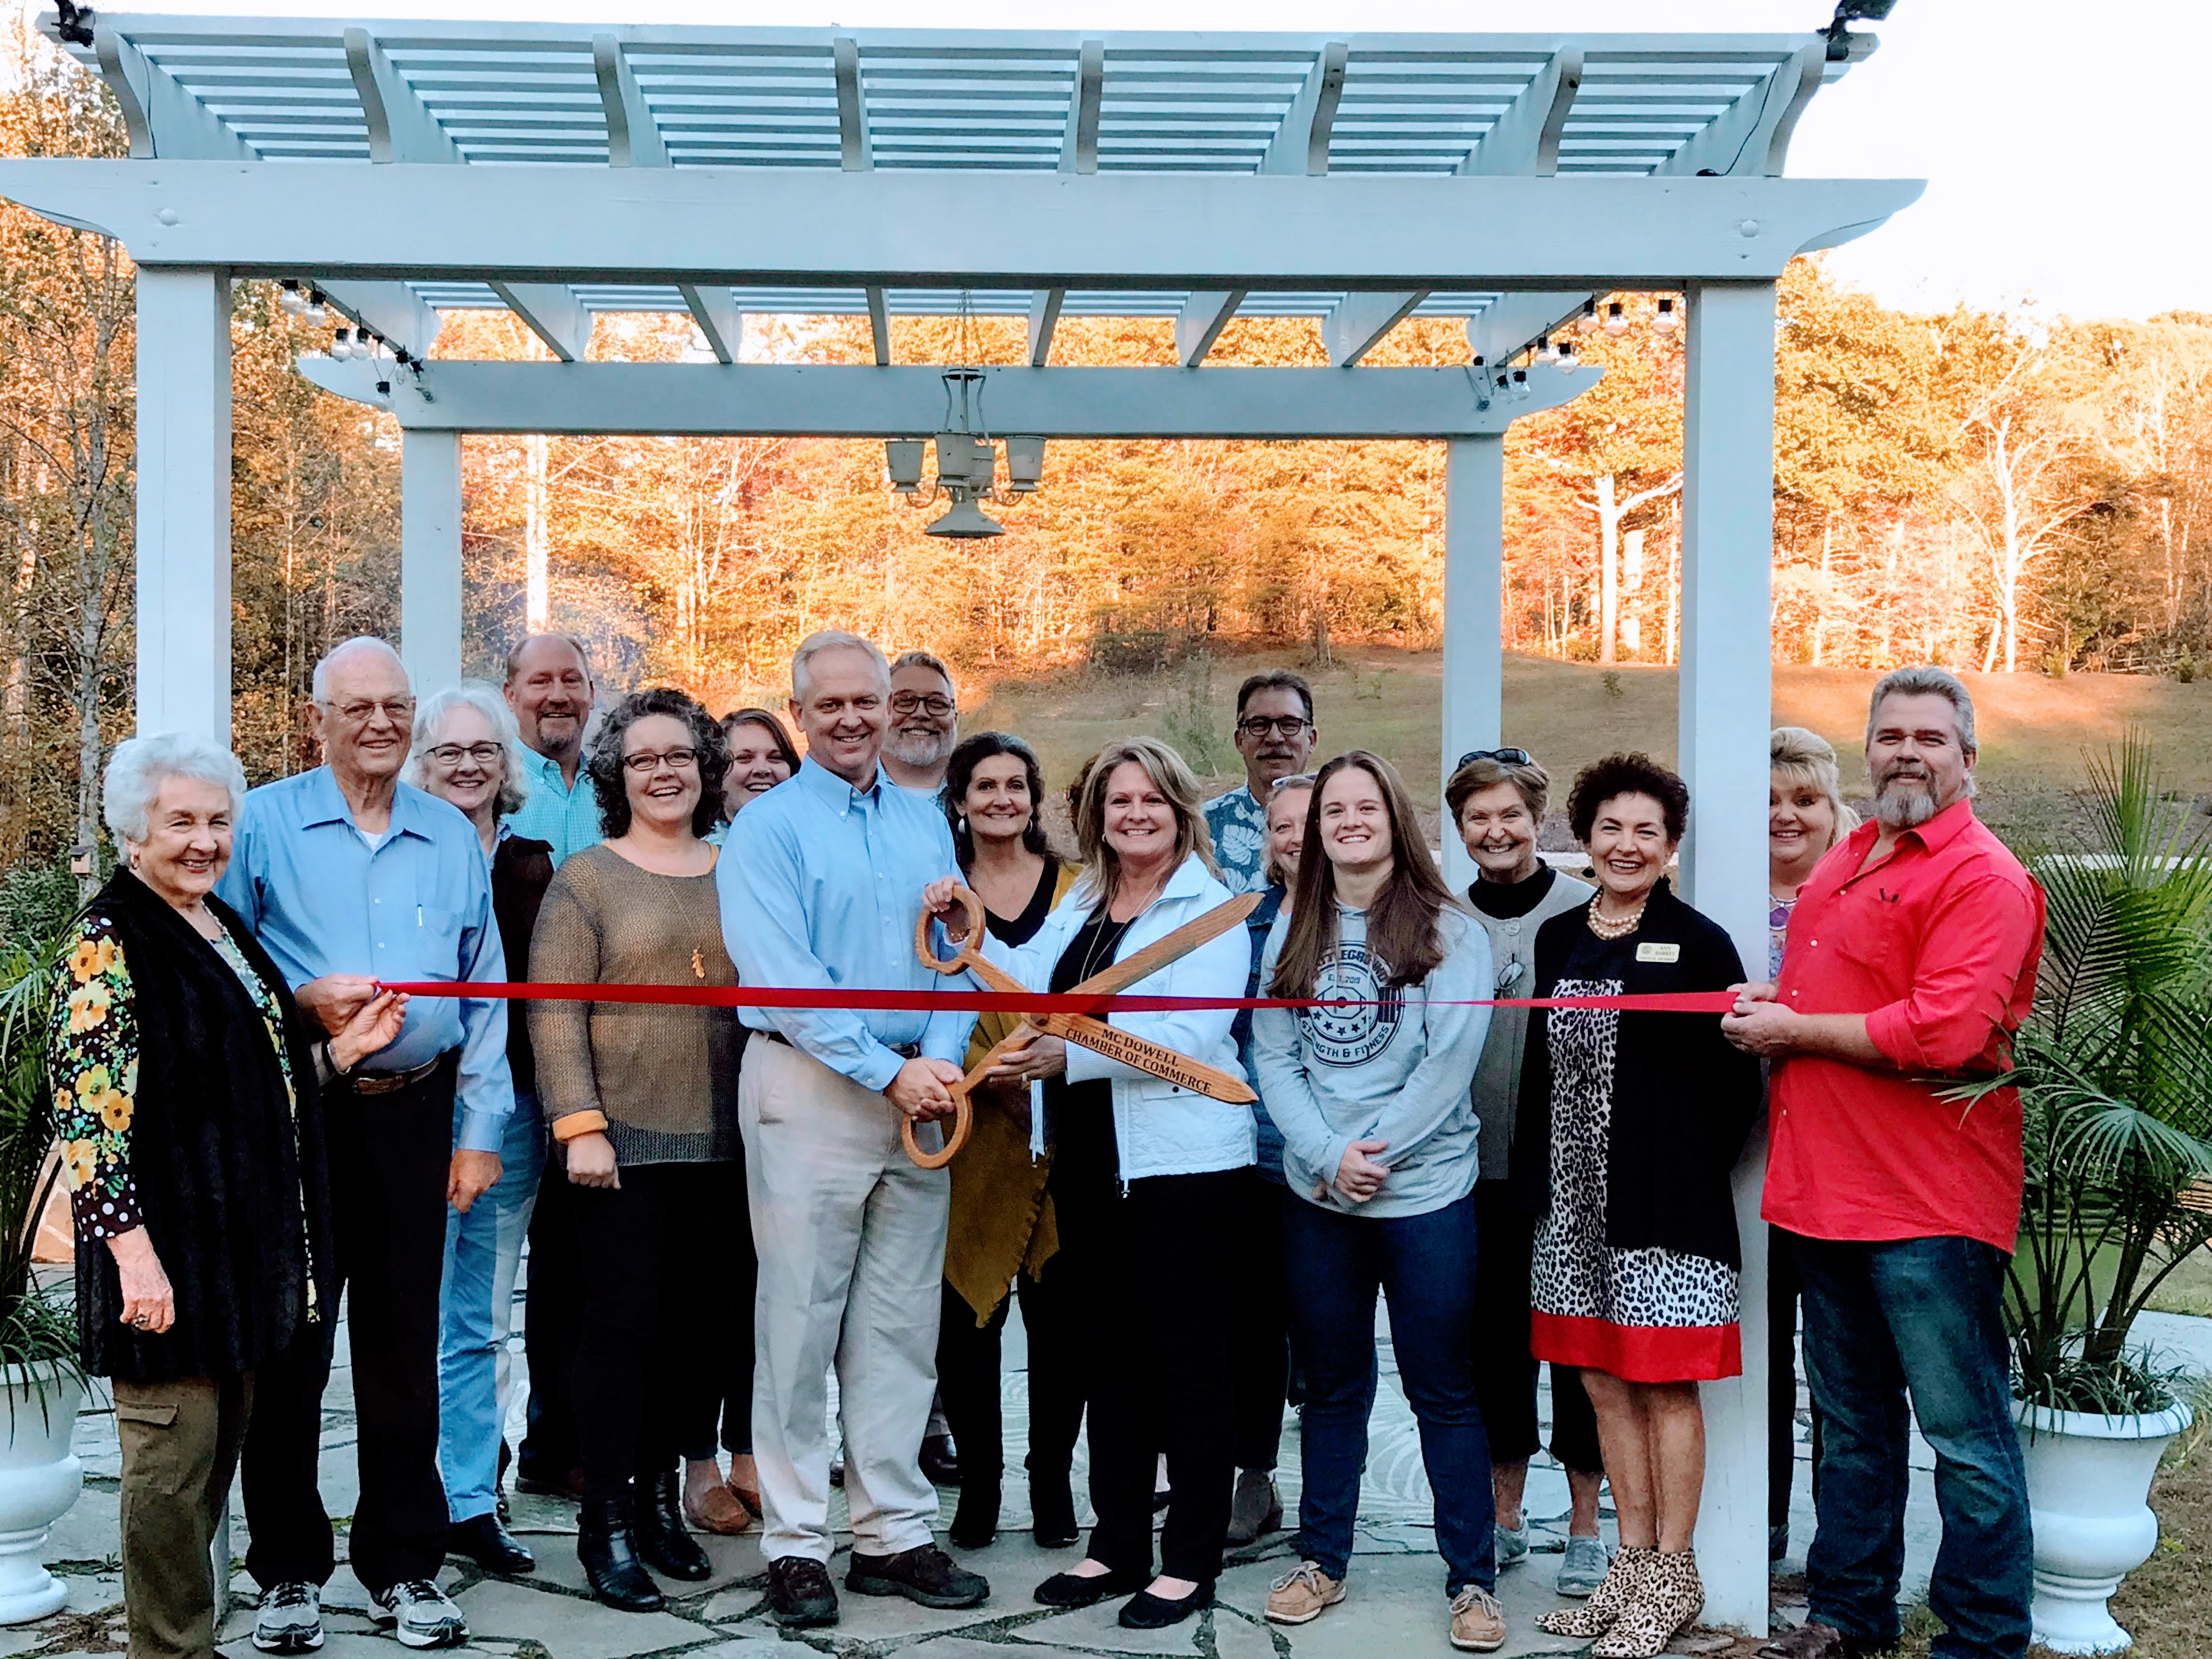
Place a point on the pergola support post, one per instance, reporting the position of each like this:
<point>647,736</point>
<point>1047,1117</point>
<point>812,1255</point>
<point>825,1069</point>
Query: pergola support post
<point>1726,689</point>
<point>184,502</point>
<point>430,558</point>
<point>1475,651</point>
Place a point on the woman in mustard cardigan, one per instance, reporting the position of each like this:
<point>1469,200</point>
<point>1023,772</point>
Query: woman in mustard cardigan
<point>1002,1233</point>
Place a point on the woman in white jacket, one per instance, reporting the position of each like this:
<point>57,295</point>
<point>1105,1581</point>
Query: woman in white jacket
<point>1142,1181</point>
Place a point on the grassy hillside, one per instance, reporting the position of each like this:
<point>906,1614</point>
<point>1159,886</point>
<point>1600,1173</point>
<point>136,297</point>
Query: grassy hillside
<point>2034,730</point>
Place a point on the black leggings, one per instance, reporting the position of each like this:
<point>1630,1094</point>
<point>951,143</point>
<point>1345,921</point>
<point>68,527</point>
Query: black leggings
<point>1504,1370</point>
<point>968,1376</point>
<point>659,1306</point>
<point>1152,1267</point>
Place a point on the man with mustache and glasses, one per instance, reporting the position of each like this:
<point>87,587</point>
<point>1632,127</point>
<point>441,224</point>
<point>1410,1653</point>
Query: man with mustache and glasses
<point>1909,961</point>
<point>925,725</point>
<point>1275,735</point>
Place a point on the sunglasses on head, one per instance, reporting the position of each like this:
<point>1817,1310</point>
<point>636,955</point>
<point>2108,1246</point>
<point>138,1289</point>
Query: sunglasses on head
<point>1502,756</point>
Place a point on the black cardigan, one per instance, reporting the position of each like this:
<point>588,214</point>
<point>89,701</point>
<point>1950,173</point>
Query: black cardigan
<point>1684,1098</point>
<point>521,870</point>
<point>231,1202</point>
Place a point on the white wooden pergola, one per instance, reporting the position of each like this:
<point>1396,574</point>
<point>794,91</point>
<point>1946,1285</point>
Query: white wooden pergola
<point>406,169</point>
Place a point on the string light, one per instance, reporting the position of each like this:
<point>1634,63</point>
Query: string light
<point>1616,319</point>
<point>1520,386</point>
<point>1588,320</point>
<point>1666,321</point>
<point>1545,352</point>
<point>1567,357</point>
<point>316,315</point>
<point>288,302</point>
<point>341,347</point>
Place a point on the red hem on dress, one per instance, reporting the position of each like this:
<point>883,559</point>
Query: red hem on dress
<point>1639,1353</point>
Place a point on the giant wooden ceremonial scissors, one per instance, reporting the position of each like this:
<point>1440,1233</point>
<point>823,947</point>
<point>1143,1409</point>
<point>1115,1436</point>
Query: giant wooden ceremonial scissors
<point>1086,1029</point>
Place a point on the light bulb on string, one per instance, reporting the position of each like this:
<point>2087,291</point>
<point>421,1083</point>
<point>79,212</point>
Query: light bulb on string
<point>342,346</point>
<point>1520,386</point>
<point>1545,352</point>
<point>316,315</point>
<point>1588,320</point>
<point>289,300</point>
<point>1616,319</point>
<point>1567,357</point>
<point>1666,321</point>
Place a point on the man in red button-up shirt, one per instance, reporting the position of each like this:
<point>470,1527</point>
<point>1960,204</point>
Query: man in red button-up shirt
<point>1910,961</point>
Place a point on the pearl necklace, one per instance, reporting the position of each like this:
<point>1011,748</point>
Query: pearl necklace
<point>1605,927</point>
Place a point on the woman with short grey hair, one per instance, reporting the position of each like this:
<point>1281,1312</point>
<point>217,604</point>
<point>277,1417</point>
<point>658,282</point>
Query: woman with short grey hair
<point>186,1100</point>
<point>467,751</point>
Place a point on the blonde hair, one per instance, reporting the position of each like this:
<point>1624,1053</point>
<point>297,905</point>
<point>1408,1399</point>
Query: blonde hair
<point>1797,757</point>
<point>1171,775</point>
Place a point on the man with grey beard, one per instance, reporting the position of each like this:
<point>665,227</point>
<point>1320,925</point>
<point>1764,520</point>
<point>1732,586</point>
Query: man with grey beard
<point>1909,962</point>
<point>924,723</point>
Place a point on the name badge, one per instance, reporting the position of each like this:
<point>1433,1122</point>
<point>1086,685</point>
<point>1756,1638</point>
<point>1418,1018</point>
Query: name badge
<point>1658,953</point>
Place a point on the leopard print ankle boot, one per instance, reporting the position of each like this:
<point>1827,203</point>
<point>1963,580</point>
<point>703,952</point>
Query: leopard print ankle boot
<point>1613,1593</point>
<point>1667,1596</point>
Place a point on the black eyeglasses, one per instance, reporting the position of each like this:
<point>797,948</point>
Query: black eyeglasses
<point>1502,756</point>
<point>1286,725</point>
<point>908,702</point>
<point>645,762</point>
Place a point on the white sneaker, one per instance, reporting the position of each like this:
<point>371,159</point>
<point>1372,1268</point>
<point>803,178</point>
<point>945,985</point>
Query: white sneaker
<point>290,1619</point>
<point>421,1615</point>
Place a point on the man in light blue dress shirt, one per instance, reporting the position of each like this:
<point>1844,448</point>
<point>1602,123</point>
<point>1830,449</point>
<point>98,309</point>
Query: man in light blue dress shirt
<point>821,883</point>
<point>349,877</point>
<point>549,687</point>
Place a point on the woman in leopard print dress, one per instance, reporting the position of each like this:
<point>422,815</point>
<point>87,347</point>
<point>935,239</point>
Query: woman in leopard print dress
<point>1635,1120</point>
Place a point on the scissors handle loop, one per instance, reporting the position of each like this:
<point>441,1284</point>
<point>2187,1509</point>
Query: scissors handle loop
<point>962,959</point>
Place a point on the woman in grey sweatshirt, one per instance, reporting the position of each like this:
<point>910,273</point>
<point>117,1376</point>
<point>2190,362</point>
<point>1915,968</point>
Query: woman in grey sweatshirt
<point>1381,1153</point>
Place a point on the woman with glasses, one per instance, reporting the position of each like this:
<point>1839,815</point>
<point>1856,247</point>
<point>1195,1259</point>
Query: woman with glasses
<point>1498,798</point>
<point>642,1099</point>
<point>1003,1231</point>
<point>467,751</point>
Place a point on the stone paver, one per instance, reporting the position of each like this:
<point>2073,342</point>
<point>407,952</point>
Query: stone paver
<point>1397,1608</point>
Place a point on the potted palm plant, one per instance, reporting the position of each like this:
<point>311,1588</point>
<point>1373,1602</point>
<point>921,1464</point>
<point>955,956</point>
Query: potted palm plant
<point>2114,1070</point>
<point>39,1376</point>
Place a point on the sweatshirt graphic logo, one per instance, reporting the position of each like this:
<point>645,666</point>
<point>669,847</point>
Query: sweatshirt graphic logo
<point>1352,1036</point>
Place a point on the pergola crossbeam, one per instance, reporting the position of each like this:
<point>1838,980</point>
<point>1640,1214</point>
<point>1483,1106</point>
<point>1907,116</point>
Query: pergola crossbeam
<point>854,154</point>
<point>633,135</point>
<point>1044,317</point>
<point>1359,321</point>
<point>879,325</point>
<point>1301,143</point>
<point>391,310</point>
<point>1525,137</point>
<point>1201,323</point>
<point>553,313</point>
<point>714,314</point>
<point>401,127</point>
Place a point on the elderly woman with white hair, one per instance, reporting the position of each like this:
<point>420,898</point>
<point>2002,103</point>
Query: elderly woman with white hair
<point>467,750</point>
<point>187,1102</point>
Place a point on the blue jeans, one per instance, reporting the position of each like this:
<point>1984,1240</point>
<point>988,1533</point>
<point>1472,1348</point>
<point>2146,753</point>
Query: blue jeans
<point>475,1312</point>
<point>1424,1265</point>
<point>1922,1315</point>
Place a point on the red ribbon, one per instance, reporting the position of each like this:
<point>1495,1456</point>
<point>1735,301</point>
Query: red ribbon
<point>986,1001</point>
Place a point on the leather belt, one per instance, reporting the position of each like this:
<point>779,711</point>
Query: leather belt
<point>391,1082</point>
<point>904,1050</point>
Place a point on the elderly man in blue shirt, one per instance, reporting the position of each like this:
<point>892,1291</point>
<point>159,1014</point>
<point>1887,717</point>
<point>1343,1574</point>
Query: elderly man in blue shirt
<point>349,877</point>
<point>821,883</point>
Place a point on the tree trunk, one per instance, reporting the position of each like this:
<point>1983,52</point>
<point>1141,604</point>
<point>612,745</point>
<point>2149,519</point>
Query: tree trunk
<point>537,598</point>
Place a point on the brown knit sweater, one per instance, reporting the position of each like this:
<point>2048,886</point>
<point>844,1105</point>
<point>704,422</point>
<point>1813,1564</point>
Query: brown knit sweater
<point>666,1077</point>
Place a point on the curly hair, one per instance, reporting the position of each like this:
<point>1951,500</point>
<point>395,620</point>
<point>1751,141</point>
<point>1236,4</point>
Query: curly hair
<point>1627,774</point>
<point>960,771</point>
<point>604,762</point>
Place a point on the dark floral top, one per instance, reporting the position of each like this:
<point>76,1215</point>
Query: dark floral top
<point>95,1043</point>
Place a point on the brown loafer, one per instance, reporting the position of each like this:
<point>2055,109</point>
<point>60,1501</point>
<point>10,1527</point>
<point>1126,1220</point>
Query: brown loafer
<point>718,1509</point>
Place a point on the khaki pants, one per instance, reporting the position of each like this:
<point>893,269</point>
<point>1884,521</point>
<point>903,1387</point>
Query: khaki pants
<point>851,1241</point>
<point>180,1442</point>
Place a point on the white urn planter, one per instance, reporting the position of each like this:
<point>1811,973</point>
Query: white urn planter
<point>39,1479</point>
<point>2088,1489</point>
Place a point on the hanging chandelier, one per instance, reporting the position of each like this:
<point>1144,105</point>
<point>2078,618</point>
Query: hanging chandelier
<point>967,456</point>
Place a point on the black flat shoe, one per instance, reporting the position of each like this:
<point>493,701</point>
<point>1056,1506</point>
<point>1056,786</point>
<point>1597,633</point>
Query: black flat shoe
<point>1146,1610</point>
<point>1067,1590</point>
<point>662,1540</point>
<point>1052,1511</point>
<point>975,1522</point>
<point>608,1551</point>
<point>940,1463</point>
<point>490,1545</point>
